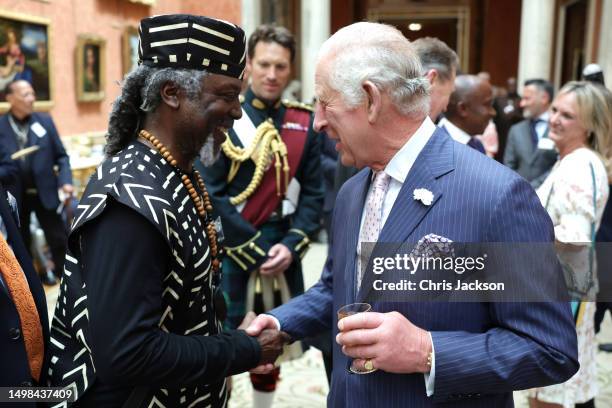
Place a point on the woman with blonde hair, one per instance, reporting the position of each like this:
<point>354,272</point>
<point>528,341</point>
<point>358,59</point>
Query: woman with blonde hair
<point>575,194</point>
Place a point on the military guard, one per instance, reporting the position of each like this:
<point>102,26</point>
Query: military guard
<point>268,189</point>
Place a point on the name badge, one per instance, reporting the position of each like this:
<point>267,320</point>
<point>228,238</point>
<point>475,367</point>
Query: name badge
<point>546,144</point>
<point>38,129</point>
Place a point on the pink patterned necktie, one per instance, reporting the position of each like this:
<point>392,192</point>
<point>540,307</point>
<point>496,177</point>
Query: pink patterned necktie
<point>372,222</point>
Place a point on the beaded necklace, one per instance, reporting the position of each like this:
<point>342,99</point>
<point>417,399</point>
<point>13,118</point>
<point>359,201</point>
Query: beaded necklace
<point>202,203</point>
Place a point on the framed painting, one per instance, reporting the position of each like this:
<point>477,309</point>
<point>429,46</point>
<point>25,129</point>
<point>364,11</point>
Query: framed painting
<point>90,68</point>
<point>24,54</point>
<point>130,49</point>
<point>145,2</point>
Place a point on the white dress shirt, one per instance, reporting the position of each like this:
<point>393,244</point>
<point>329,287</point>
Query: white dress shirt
<point>456,133</point>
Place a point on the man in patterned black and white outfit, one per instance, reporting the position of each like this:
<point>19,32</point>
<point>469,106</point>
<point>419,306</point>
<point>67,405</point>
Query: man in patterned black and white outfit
<point>136,323</point>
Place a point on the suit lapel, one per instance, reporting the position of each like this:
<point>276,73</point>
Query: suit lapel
<point>407,213</point>
<point>436,159</point>
<point>354,211</point>
<point>32,138</point>
<point>536,152</point>
<point>530,149</point>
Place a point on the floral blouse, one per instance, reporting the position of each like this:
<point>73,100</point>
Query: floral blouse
<point>567,195</point>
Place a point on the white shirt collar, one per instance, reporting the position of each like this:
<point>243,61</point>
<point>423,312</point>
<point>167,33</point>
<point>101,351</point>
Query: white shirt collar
<point>544,116</point>
<point>456,133</point>
<point>400,165</point>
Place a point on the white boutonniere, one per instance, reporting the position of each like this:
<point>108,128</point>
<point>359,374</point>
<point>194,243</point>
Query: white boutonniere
<point>423,195</point>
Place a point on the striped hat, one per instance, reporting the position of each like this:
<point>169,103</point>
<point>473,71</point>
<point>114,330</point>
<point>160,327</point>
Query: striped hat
<point>194,42</point>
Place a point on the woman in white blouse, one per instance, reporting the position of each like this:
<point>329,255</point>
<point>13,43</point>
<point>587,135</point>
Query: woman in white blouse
<point>575,194</point>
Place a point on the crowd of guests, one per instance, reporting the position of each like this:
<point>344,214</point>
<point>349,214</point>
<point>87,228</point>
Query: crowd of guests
<point>130,308</point>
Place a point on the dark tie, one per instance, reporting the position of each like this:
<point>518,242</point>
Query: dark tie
<point>476,144</point>
<point>534,132</point>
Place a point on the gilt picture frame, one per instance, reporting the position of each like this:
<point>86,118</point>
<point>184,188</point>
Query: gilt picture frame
<point>90,68</point>
<point>25,44</point>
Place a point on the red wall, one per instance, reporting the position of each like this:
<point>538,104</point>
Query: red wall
<point>107,19</point>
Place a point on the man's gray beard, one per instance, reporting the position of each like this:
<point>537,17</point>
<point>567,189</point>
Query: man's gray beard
<point>208,156</point>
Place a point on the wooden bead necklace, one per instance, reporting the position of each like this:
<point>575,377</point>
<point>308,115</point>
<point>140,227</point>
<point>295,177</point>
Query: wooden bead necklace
<point>202,203</point>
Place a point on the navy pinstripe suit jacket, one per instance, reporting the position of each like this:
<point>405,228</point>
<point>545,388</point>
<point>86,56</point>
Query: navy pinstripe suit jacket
<point>483,351</point>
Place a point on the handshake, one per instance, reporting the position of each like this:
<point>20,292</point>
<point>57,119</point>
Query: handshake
<point>270,339</point>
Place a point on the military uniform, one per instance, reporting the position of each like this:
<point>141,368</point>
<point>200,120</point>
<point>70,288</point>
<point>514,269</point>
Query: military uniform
<point>267,187</point>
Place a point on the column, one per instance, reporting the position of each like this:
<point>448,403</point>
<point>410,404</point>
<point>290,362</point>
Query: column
<point>315,26</point>
<point>604,58</point>
<point>250,16</point>
<point>535,53</point>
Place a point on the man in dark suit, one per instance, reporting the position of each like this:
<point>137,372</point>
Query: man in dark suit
<point>529,151</point>
<point>416,181</point>
<point>36,188</point>
<point>23,307</point>
<point>469,110</point>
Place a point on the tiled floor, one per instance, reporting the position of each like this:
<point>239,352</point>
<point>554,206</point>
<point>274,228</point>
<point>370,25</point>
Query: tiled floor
<point>303,383</point>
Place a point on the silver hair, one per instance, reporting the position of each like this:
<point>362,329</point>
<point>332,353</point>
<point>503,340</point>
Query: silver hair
<point>378,53</point>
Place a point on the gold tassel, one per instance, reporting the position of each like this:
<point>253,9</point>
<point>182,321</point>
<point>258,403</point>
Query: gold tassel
<point>234,167</point>
<point>277,165</point>
<point>267,143</point>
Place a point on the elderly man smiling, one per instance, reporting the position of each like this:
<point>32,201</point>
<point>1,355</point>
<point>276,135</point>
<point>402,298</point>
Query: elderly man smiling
<point>374,102</point>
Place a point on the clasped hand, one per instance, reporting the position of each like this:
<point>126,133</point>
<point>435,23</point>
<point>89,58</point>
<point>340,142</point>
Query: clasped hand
<point>389,340</point>
<point>279,259</point>
<point>269,338</point>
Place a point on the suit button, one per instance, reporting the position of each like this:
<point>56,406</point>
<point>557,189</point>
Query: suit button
<point>477,395</point>
<point>14,333</point>
<point>26,384</point>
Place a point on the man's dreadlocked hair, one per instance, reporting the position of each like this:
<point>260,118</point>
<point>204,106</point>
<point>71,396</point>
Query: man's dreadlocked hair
<point>140,94</point>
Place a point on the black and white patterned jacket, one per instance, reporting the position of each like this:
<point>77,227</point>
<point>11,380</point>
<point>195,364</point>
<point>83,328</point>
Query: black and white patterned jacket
<point>141,179</point>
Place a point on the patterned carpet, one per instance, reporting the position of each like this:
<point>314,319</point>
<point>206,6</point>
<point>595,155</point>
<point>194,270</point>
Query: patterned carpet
<point>304,385</point>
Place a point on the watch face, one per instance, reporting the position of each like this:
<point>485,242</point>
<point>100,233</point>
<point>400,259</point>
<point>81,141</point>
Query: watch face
<point>219,229</point>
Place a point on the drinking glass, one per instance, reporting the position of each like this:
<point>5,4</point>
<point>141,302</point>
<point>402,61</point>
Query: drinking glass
<point>349,310</point>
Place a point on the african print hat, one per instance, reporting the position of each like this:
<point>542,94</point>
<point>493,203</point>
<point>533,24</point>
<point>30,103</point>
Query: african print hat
<point>194,42</point>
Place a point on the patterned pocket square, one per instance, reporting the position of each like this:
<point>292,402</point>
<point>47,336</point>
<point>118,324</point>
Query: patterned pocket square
<point>433,246</point>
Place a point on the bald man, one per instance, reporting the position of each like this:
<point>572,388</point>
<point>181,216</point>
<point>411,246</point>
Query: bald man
<point>469,110</point>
